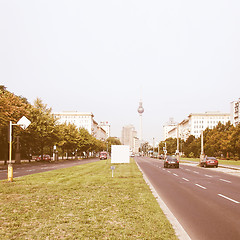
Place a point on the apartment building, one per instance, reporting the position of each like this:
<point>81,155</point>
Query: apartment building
<point>197,122</point>
<point>82,120</point>
<point>235,112</point>
<point>106,127</point>
<point>200,121</point>
<point>129,135</point>
<point>170,125</point>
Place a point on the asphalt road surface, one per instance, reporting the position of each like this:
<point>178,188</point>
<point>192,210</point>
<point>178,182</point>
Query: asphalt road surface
<point>205,202</point>
<point>37,167</point>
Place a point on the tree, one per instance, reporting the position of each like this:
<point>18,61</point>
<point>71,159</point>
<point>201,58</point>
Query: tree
<point>12,108</point>
<point>112,141</point>
<point>42,133</point>
<point>69,136</point>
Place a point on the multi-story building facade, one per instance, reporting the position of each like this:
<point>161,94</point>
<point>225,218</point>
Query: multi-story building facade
<point>106,127</point>
<point>128,135</point>
<point>167,129</point>
<point>235,112</point>
<point>82,120</point>
<point>136,145</point>
<point>198,122</point>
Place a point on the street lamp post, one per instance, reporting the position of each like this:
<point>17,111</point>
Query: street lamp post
<point>177,142</point>
<point>153,147</point>
<point>24,123</point>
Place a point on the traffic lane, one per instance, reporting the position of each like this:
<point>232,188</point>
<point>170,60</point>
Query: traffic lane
<point>221,185</point>
<point>212,179</point>
<point>216,181</point>
<point>20,170</point>
<point>198,213</point>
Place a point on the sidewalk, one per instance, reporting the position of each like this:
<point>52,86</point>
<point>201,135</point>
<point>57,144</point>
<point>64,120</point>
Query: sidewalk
<point>233,167</point>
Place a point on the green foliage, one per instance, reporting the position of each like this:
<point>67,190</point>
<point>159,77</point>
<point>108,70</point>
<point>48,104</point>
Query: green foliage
<point>43,132</point>
<point>82,202</point>
<point>12,108</point>
<point>221,141</point>
<point>112,141</point>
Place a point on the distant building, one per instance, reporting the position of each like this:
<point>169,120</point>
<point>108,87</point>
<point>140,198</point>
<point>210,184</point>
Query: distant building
<point>136,145</point>
<point>106,127</point>
<point>168,127</point>
<point>82,120</point>
<point>235,112</point>
<point>201,121</point>
<point>128,135</point>
<point>197,122</point>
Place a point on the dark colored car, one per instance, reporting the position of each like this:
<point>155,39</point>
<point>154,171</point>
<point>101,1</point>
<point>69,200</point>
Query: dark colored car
<point>209,162</point>
<point>103,155</point>
<point>45,158</point>
<point>171,162</point>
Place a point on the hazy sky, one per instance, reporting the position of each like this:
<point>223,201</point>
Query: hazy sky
<point>96,56</point>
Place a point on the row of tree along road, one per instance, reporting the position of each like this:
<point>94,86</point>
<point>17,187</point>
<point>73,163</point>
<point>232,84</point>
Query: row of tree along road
<point>223,141</point>
<point>44,132</point>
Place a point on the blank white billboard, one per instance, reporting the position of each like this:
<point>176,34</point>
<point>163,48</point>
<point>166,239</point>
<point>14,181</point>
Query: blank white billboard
<point>120,154</point>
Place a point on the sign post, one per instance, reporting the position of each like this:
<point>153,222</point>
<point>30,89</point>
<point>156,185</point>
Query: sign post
<point>24,123</point>
<point>112,167</point>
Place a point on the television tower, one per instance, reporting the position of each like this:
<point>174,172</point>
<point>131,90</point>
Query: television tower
<point>140,111</point>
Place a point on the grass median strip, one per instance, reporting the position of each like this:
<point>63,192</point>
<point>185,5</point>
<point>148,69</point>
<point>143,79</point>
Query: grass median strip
<point>82,202</point>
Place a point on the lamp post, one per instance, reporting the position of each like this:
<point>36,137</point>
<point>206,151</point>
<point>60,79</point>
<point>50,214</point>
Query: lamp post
<point>153,147</point>
<point>177,142</point>
<point>24,123</point>
<point>202,150</point>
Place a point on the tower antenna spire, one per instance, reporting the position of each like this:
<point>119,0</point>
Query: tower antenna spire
<point>140,111</point>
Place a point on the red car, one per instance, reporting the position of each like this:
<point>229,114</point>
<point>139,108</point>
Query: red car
<point>45,158</point>
<point>209,162</point>
<point>103,155</point>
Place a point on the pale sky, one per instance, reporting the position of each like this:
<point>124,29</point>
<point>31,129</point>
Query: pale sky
<point>96,56</point>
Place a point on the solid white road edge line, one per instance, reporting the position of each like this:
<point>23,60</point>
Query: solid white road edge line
<point>200,186</point>
<point>230,199</point>
<point>179,230</point>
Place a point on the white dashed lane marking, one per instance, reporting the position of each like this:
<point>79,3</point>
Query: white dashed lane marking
<point>207,175</point>
<point>225,181</point>
<point>230,199</point>
<point>200,186</point>
<point>185,179</point>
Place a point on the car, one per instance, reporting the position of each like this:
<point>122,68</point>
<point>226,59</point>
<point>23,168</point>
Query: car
<point>208,162</point>
<point>161,156</point>
<point>103,155</point>
<point>171,161</point>
<point>132,155</point>
<point>44,158</point>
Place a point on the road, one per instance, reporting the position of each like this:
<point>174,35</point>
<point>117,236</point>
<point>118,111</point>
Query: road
<point>37,167</point>
<point>205,202</point>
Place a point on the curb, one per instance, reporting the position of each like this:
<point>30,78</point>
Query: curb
<point>179,230</point>
<point>222,166</point>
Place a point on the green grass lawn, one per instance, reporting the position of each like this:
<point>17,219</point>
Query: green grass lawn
<point>82,202</point>
<point>224,162</point>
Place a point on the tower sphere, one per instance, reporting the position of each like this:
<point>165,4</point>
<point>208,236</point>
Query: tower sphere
<point>140,108</point>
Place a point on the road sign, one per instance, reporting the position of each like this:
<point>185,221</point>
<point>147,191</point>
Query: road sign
<point>112,167</point>
<point>23,122</point>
